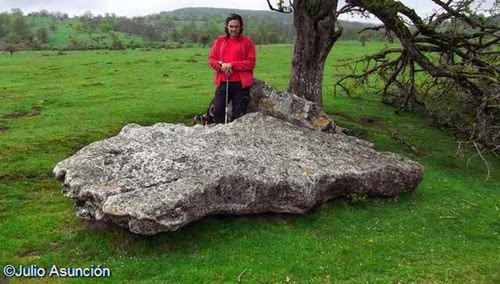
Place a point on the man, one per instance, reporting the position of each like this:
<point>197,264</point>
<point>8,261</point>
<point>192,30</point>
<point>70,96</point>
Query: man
<point>233,58</point>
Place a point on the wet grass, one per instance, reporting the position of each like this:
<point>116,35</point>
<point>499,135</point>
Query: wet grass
<point>447,230</point>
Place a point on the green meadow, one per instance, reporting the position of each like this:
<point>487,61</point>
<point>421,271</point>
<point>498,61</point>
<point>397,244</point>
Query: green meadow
<point>60,38</point>
<point>54,103</point>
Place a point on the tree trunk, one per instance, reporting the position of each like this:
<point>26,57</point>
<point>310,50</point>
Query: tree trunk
<point>315,34</point>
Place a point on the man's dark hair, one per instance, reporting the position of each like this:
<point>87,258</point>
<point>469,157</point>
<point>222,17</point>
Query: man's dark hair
<point>231,17</point>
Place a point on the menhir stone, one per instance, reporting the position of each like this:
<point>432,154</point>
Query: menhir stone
<point>159,178</point>
<point>289,107</point>
<point>284,105</point>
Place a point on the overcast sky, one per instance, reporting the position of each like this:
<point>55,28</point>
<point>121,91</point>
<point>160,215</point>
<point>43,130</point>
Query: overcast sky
<point>132,8</point>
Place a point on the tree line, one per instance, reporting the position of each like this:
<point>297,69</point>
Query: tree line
<point>179,28</point>
<point>15,33</point>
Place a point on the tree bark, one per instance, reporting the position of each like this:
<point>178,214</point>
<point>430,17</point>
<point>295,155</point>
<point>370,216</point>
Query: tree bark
<point>315,33</point>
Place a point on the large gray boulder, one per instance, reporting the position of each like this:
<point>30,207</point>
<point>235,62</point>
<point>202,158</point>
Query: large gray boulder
<point>158,178</point>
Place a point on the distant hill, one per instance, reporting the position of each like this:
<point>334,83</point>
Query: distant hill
<point>173,29</point>
<point>200,13</point>
<point>351,28</point>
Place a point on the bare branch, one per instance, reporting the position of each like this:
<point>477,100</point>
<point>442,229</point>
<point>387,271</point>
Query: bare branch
<point>377,28</point>
<point>281,8</point>
<point>480,153</point>
<point>454,49</point>
<point>471,20</point>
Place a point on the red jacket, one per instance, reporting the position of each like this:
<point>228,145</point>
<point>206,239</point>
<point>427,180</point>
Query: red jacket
<point>244,65</point>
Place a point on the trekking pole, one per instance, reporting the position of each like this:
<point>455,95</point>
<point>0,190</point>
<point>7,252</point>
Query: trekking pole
<point>227,94</point>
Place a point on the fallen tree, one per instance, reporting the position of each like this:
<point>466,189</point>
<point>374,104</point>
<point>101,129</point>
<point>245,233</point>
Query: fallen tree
<point>447,65</point>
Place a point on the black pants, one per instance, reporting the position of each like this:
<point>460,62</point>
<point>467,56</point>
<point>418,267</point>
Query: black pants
<point>237,96</point>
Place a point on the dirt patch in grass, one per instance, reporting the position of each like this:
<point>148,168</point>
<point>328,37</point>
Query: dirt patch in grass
<point>16,115</point>
<point>95,84</point>
<point>187,86</point>
<point>344,116</point>
<point>30,253</point>
<point>3,128</point>
<point>34,111</point>
<point>356,132</point>
<point>370,120</point>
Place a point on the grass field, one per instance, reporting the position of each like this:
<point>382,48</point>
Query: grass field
<point>60,38</point>
<point>446,231</point>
